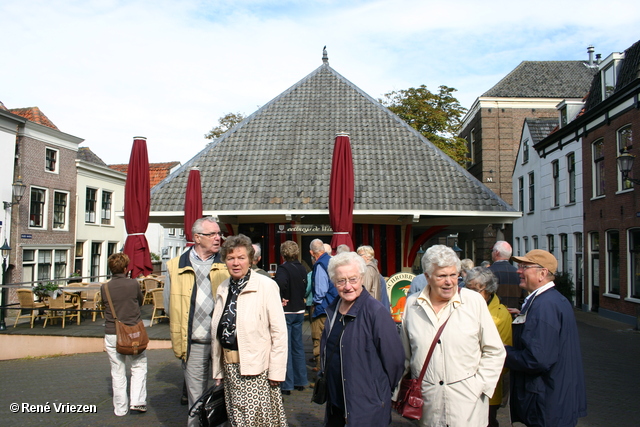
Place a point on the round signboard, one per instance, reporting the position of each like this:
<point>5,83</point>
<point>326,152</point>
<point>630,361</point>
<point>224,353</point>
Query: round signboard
<point>397,289</point>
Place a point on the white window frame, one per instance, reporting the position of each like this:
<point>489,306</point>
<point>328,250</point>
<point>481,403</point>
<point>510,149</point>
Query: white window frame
<point>623,142</point>
<point>65,225</point>
<point>45,210</point>
<point>598,177</point>
<point>106,215</point>
<point>87,216</point>
<point>56,167</point>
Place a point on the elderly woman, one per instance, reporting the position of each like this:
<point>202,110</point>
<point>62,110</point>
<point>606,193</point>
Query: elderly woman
<point>361,352</point>
<point>291,277</point>
<point>249,345</point>
<point>127,298</point>
<point>469,355</point>
<point>483,281</point>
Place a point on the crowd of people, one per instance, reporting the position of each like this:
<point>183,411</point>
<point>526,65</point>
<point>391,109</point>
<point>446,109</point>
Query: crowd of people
<point>496,335</point>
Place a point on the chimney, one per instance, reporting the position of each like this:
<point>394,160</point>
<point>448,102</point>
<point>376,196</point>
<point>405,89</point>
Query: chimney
<point>590,50</point>
<point>598,58</point>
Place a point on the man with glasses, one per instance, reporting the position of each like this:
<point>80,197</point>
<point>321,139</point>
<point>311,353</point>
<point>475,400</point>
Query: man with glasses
<point>323,295</point>
<point>194,277</point>
<point>547,378</point>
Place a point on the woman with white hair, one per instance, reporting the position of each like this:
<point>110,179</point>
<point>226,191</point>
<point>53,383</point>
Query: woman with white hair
<point>469,354</point>
<point>361,353</point>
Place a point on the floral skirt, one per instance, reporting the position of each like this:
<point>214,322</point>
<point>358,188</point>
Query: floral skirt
<point>250,399</point>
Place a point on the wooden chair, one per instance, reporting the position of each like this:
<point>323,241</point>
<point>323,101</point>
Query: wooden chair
<point>92,300</point>
<point>149,284</point>
<point>25,296</point>
<point>158,306</point>
<point>57,306</point>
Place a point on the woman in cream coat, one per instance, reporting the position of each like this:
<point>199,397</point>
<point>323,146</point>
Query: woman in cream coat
<point>249,348</point>
<point>469,355</point>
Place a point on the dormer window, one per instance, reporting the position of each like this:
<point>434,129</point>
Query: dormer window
<point>563,116</point>
<point>610,68</point>
<point>525,151</point>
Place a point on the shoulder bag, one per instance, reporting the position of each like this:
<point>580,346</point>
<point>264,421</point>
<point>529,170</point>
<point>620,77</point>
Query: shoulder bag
<point>130,340</point>
<point>210,408</point>
<point>319,394</point>
<point>410,402</point>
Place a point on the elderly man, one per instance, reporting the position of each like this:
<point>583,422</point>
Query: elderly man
<point>256,259</point>
<point>547,379</point>
<point>508,291</point>
<point>323,294</point>
<point>469,355</point>
<point>194,278</point>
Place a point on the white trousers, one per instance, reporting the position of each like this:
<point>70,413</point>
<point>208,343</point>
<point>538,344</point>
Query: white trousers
<point>138,390</point>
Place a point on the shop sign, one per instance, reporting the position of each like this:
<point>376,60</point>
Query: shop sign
<point>398,289</point>
<point>316,229</point>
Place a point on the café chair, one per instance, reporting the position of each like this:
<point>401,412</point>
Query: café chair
<point>25,296</point>
<point>158,306</point>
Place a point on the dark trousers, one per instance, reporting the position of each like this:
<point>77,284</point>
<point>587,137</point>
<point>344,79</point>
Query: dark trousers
<point>335,416</point>
<point>493,415</point>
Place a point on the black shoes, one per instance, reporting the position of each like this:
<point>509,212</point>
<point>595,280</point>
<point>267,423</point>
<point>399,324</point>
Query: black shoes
<point>299,388</point>
<point>286,392</point>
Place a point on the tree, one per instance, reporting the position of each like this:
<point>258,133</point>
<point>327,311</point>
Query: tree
<point>225,123</point>
<point>437,116</point>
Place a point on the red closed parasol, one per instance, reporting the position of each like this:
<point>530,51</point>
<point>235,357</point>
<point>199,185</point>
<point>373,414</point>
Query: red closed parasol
<point>192,203</point>
<point>137,202</point>
<point>341,192</point>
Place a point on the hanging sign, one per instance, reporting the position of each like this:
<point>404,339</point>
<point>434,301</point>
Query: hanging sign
<point>398,289</point>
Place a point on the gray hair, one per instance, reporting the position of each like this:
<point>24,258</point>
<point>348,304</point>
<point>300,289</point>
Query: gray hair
<point>503,249</point>
<point>342,248</point>
<point>196,228</point>
<point>258,250</point>
<point>316,246</point>
<point>366,252</point>
<point>439,256</point>
<point>346,258</point>
<point>484,277</point>
<point>466,264</point>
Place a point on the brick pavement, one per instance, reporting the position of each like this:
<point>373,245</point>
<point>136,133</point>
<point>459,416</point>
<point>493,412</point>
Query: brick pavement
<point>610,351</point>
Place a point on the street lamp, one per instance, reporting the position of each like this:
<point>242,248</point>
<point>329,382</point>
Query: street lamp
<point>17,191</point>
<point>625,164</point>
<point>4,292</point>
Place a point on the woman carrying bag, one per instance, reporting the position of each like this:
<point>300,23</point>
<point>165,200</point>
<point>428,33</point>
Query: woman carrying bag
<point>127,298</point>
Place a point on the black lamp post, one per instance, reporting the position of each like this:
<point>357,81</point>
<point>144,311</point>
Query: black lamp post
<point>625,164</point>
<point>3,312</point>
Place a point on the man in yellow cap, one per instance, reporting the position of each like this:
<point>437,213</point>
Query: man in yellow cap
<point>547,378</point>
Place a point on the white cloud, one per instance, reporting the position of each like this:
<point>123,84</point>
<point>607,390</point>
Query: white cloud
<point>110,70</point>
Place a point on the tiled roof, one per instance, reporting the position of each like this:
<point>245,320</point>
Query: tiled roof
<point>629,72</point>
<point>84,153</point>
<point>545,79</point>
<point>157,171</point>
<point>279,158</point>
<point>541,128</point>
<point>34,114</point>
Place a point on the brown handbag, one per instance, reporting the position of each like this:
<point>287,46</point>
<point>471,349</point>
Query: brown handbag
<point>130,340</point>
<point>410,402</point>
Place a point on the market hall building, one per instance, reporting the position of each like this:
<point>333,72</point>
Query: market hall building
<point>268,178</point>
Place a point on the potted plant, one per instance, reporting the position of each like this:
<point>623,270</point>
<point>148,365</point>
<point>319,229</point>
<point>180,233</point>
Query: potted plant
<point>75,277</point>
<point>49,289</point>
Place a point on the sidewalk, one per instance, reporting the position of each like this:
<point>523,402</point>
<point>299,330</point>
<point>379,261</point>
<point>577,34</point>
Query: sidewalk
<point>610,351</point>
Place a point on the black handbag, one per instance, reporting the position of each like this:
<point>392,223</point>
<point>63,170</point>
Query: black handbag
<point>319,395</point>
<point>210,408</point>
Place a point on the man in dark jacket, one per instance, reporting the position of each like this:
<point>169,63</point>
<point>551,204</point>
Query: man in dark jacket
<point>508,280</point>
<point>323,294</point>
<point>547,378</point>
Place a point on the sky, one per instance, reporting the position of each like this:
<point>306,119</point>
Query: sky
<point>109,70</point>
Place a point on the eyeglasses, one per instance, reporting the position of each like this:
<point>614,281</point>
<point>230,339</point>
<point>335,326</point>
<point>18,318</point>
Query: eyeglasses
<point>352,281</point>
<point>215,233</point>
<point>525,266</point>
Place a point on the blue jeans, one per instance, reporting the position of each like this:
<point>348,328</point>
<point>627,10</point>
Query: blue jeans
<point>296,367</point>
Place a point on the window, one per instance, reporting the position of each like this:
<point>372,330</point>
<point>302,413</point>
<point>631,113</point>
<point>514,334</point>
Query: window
<point>44,264</point>
<point>609,76</point>
<point>59,210</point>
<point>106,208</point>
<point>563,116</point>
<point>181,232</point>
<point>36,208</point>
<point>472,147</point>
<point>564,252</point>
<point>526,244</point>
<point>571,178</point>
<point>613,262</point>
<point>172,232</point>
<point>521,194</point>
<point>555,171</point>
<point>60,268</point>
<point>578,268</point>
<point>532,192</point>
<point>78,265</point>
<point>28,265</point>
<point>112,248</point>
<point>535,242</point>
<point>51,160</point>
<point>518,252</point>
<point>634,261</point>
<point>624,142</point>
<point>90,207</point>
<point>96,251</point>
<point>525,151</point>
<point>598,168</point>
<point>551,244</point>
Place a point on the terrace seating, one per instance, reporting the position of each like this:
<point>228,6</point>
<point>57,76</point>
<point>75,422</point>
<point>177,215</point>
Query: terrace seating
<point>27,302</point>
<point>158,305</point>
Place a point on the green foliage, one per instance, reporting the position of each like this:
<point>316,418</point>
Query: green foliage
<point>564,285</point>
<point>42,290</point>
<point>154,256</point>
<point>437,116</point>
<point>226,122</point>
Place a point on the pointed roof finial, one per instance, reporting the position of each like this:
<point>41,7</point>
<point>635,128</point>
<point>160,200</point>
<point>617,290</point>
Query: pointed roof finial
<point>325,58</point>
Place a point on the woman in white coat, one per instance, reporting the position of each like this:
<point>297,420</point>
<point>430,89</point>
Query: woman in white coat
<point>468,357</point>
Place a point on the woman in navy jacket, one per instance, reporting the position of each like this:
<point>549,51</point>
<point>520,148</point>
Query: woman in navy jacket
<point>362,355</point>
